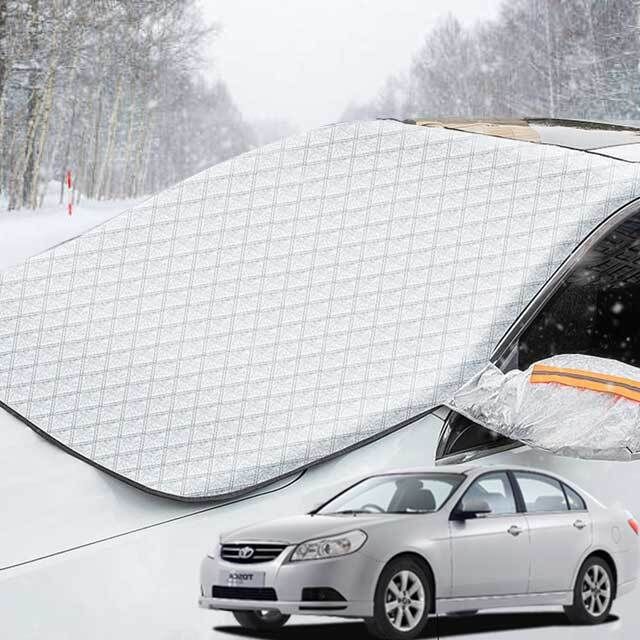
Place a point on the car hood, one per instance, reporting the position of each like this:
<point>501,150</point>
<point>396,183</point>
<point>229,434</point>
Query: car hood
<point>297,529</point>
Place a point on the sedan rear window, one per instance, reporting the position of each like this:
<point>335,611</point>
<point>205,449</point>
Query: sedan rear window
<point>576,503</point>
<point>402,493</point>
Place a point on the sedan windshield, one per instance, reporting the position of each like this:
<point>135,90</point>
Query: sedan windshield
<point>402,493</point>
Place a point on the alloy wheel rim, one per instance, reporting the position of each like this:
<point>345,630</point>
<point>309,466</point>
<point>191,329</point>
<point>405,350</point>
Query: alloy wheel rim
<point>596,590</point>
<point>404,600</point>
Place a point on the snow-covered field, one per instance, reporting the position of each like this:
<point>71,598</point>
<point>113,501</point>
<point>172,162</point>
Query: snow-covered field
<point>83,555</point>
<point>26,233</point>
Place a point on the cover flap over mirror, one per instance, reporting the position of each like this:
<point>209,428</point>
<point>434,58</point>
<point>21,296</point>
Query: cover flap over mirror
<point>573,405</point>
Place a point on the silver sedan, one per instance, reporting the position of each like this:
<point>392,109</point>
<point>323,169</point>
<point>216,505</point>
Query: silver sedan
<point>395,548</point>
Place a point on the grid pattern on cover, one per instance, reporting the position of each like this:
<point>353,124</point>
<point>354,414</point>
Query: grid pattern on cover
<point>292,302</point>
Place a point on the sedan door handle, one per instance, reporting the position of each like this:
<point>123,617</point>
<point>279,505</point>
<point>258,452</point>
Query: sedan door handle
<point>514,531</point>
<point>579,524</point>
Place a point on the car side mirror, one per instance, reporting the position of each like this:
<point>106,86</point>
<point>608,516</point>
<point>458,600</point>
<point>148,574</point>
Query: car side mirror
<point>470,509</point>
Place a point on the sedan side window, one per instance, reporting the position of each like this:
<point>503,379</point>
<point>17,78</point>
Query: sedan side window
<point>576,503</point>
<point>495,490</point>
<point>541,494</point>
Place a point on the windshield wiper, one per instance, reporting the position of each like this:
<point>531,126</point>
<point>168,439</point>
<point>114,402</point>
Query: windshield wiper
<point>412,511</point>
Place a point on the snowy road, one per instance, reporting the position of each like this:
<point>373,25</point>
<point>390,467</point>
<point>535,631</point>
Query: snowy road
<point>27,233</point>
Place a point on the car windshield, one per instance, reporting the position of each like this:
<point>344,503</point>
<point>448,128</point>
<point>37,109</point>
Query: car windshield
<point>401,493</point>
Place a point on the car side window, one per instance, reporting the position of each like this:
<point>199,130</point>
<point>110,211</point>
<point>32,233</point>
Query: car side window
<point>495,490</point>
<point>576,503</point>
<point>541,494</point>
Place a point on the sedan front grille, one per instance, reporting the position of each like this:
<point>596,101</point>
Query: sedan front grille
<point>251,553</point>
<point>244,593</point>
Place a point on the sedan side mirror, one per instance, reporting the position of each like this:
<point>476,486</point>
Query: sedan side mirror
<point>471,508</point>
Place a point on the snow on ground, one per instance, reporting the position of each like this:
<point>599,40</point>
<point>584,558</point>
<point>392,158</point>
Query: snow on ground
<point>25,233</point>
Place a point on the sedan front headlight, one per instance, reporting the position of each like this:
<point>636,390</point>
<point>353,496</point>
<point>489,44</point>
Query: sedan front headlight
<point>331,547</point>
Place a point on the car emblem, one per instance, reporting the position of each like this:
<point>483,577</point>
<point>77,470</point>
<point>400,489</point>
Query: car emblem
<point>245,553</point>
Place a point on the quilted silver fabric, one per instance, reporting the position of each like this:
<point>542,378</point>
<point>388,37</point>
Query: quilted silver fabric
<point>561,419</point>
<point>294,301</point>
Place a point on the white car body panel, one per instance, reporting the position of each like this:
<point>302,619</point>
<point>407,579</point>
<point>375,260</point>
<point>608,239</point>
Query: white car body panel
<point>55,501</point>
<point>453,605</point>
<point>478,551</point>
<point>556,549</point>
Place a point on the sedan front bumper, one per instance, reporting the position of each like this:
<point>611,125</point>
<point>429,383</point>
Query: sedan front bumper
<point>340,609</point>
<point>353,576</point>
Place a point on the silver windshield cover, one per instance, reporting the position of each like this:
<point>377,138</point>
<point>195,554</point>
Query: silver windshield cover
<point>293,302</point>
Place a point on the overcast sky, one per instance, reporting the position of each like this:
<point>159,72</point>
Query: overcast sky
<point>306,60</point>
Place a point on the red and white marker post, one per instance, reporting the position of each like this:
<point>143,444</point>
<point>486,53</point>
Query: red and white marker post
<point>69,184</point>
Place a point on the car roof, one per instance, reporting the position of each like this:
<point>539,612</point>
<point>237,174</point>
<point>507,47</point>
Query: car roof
<point>470,470</point>
<point>619,141</point>
<point>444,469</point>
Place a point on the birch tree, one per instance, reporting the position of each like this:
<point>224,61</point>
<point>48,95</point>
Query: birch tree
<point>576,59</point>
<point>110,90</point>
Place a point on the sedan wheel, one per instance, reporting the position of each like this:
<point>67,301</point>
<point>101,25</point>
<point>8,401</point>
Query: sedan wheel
<point>405,600</point>
<point>401,606</point>
<point>593,593</point>
<point>596,590</point>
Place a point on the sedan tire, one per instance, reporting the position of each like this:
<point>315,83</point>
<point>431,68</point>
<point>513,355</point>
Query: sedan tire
<point>402,600</point>
<point>592,593</point>
<point>261,620</point>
